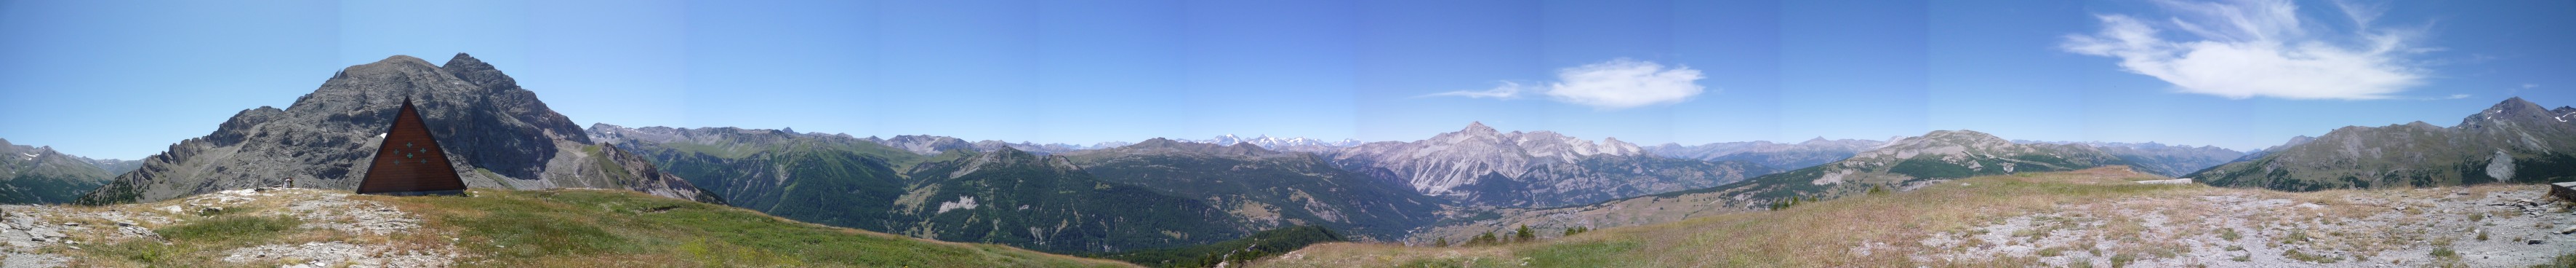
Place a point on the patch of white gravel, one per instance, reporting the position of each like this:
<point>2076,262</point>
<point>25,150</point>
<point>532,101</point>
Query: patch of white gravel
<point>336,212</point>
<point>337,254</point>
<point>28,233</point>
<point>2380,228</point>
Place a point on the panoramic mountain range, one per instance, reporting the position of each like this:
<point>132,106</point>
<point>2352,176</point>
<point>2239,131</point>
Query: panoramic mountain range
<point>1900,165</point>
<point>2512,141</point>
<point>1161,196</point>
<point>2161,159</point>
<point>490,126</point>
<point>1267,189</point>
<point>1297,144</point>
<point>1220,192</point>
<point>1781,156</point>
<point>961,194</point>
<point>1481,166</point>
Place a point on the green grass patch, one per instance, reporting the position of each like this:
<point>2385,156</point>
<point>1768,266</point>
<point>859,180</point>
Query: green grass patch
<point>619,228</point>
<point>2563,261</point>
<point>230,229</point>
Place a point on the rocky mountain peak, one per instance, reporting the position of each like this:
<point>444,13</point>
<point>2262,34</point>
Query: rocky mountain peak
<point>476,71</point>
<point>1156,142</point>
<point>486,122</point>
<point>1964,137</point>
<point>2511,110</point>
<point>1943,142</point>
<point>390,67</point>
<point>1006,153</point>
<point>1478,128</point>
<point>927,144</point>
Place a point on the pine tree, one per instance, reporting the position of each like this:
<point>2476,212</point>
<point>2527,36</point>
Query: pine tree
<point>1444,242</point>
<point>1524,234</point>
<point>1485,239</point>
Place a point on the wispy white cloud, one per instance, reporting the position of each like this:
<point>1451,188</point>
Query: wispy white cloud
<point>2260,48</point>
<point>1509,90</point>
<point>1609,85</point>
<point>2530,85</point>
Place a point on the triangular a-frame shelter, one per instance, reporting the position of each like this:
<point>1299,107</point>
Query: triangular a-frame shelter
<point>410,161</point>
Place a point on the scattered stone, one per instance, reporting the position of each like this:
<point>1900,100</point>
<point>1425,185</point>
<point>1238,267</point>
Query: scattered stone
<point>2568,230</point>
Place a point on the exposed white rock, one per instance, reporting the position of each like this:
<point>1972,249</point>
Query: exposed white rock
<point>963,202</point>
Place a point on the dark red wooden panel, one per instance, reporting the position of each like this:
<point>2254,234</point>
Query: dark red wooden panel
<point>410,161</point>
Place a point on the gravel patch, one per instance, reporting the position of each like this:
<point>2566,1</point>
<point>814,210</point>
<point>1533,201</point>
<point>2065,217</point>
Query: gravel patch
<point>2381,228</point>
<point>337,254</point>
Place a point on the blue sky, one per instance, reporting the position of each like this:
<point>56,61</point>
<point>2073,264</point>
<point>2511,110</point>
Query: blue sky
<point>115,79</point>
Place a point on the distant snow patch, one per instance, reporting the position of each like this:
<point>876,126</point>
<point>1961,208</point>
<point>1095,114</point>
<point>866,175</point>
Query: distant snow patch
<point>963,202</point>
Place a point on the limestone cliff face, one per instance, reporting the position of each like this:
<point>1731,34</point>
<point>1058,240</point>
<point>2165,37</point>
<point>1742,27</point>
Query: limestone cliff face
<point>497,134</point>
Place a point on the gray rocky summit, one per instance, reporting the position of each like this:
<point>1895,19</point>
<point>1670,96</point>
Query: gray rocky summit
<point>498,134</point>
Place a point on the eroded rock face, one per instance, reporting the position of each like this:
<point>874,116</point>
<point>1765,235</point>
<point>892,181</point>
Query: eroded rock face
<point>499,135</point>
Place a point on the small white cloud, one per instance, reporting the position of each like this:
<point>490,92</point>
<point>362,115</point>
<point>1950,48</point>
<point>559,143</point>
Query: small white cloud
<point>2258,48</point>
<point>1609,85</point>
<point>2457,96</point>
<point>1508,90</point>
<point>2530,85</point>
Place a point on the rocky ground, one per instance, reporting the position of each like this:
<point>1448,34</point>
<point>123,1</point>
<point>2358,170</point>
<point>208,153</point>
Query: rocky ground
<point>333,231</point>
<point>2486,226</point>
<point>2101,217</point>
